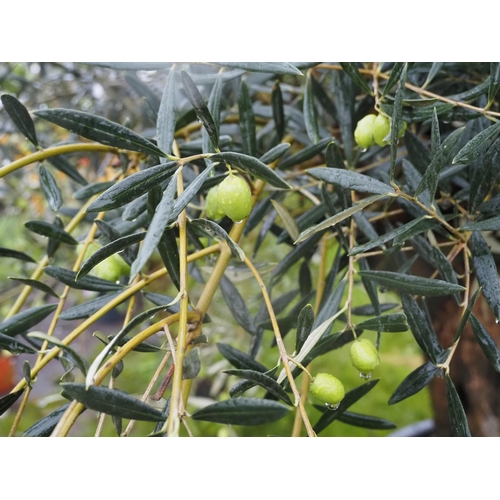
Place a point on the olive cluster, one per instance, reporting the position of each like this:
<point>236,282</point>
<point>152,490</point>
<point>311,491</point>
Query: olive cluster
<point>232,197</point>
<point>374,129</point>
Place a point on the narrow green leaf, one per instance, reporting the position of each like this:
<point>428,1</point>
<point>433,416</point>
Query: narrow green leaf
<point>107,251</point>
<point>200,108</point>
<point>366,421</point>
<point>64,166</point>
<point>288,221</point>
<point>45,426</point>
<point>214,108</point>
<point>494,81</point>
<point>165,126</point>
<point>50,189</point>
<point>35,284</point>
<point>156,228</point>
<point>418,153</point>
<point>412,284</point>
<point>50,231</point>
<point>86,283</point>
<point>53,245</point>
<point>305,154</point>
<point>478,144</point>
<point>352,70</point>
<point>14,254</point>
<point>430,179</point>
<point>243,411</point>
<point>422,332</point>
<point>458,418</point>
<point>277,68</point>
<point>445,269</point>
<point>24,320</point>
<point>275,153</point>
<point>14,346</point>
<point>386,323</point>
<point>305,323</point>
<point>414,382</point>
<point>486,342</point>
<point>212,227</point>
<point>483,175</point>
<point>278,111</point>
<point>396,122</point>
<point>132,187</point>
<point>88,308</point>
<point>339,217</point>
<point>188,194</point>
<point>393,77</point>
<point>254,167</point>
<point>113,402</point>
<point>99,129</point>
<point>111,234</point>
<point>20,116</point>
<point>239,359</point>
<point>247,121</point>
<point>466,315</point>
<point>310,117</point>
<point>191,364</point>
<point>90,190</point>
<point>237,306</point>
<point>7,401</point>
<point>404,232</point>
<point>350,180</point>
<point>486,271</point>
<point>147,315</point>
<point>330,305</point>
<point>75,357</point>
<point>169,253</point>
<point>264,381</point>
<point>492,224</point>
<point>369,310</point>
<point>449,144</point>
<point>435,68</point>
<point>350,398</point>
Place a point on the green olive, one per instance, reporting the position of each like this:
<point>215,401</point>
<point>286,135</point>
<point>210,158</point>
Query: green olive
<point>381,128</point>
<point>212,207</point>
<point>364,355</point>
<point>327,388</point>
<point>363,135</point>
<point>235,198</point>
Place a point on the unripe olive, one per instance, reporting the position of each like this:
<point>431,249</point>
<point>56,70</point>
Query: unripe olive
<point>212,207</point>
<point>381,127</point>
<point>327,388</point>
<point>364,355</point>
<point>235,198</point>
<point>363,135</point>
<point>110,269</point>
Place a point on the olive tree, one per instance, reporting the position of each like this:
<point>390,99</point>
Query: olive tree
<point>368,177</point>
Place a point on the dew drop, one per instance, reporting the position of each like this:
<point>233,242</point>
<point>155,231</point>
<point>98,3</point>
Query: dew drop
<point>497,321</point>
<point>239,222</point>
<point>364,150</point>
<point>365,376</point>
<point>332,407</point>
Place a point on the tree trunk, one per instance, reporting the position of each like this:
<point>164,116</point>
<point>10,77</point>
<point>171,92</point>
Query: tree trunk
<point>477,383</point>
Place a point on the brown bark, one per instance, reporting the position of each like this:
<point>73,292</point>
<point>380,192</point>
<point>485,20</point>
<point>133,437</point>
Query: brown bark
<point>477,383</point>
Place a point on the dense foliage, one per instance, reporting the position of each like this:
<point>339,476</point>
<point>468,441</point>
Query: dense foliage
<point>319,211</point>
